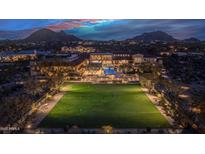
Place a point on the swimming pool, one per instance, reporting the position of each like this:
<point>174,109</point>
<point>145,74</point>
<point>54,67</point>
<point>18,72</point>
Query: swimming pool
<point>109,71</point>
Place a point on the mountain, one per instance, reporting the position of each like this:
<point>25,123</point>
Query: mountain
<point>49,35</point>
<point>153,36</point>
<point>191,39</point>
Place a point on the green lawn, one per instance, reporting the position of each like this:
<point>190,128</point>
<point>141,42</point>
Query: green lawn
<point>93,106</point>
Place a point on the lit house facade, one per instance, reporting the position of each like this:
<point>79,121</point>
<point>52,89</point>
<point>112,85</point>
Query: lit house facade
<point>121,58</point>
<point>150,59</point>
<point>117,59</point>
<point>80,49</point>
<point>104,58</point>
<point>138,58</point>
<point>18,57</point>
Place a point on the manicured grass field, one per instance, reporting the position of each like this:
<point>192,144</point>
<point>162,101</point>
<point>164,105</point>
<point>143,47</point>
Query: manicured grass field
<point>93,106</point>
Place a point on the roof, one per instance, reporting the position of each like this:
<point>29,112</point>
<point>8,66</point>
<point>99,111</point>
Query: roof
<point>181,53</point>
<point>6,53</point>
<point>100,53</point>
<point>23,52</point>
<point>122,58</point>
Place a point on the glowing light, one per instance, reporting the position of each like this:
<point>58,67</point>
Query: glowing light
<point>29,126</point>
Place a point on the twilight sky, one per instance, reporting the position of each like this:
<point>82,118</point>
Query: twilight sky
<point>103,29</point>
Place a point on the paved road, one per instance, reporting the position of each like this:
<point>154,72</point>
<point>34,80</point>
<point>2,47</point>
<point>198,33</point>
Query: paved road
<point>44,109</point>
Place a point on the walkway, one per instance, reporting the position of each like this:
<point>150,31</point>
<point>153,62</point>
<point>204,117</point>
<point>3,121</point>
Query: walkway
<point>154,101</point>
<point>44,109</point>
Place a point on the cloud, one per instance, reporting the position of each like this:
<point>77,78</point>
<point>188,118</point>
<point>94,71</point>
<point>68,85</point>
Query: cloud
<point>76,23</point>
<point>64,26</point>
<point>122,29</point>
<point>104,29</point>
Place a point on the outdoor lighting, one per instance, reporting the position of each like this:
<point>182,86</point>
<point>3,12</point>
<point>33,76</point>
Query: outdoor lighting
<point>28,126</point>
<point>108,129</point>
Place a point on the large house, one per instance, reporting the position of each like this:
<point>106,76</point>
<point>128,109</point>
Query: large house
<point>103,58</point>
<point>11,56</point>
<point>138,58</point>
<point>119,58</point>
<point>110,58</point>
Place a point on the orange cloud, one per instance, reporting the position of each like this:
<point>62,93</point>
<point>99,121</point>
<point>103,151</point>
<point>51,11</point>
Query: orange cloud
<point>64,26</point>
<point>74,24</point>
<point>95,20</point>
<point>89,20</point>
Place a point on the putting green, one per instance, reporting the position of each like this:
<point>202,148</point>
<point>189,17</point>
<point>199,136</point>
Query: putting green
<point>93,106</point>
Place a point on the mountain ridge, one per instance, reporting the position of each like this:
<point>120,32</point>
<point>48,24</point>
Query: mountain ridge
<point>192,39</point>
<point>153,36</point>
<point>49,35</point>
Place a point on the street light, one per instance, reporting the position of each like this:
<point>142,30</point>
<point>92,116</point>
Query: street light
<point>28,126</point>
